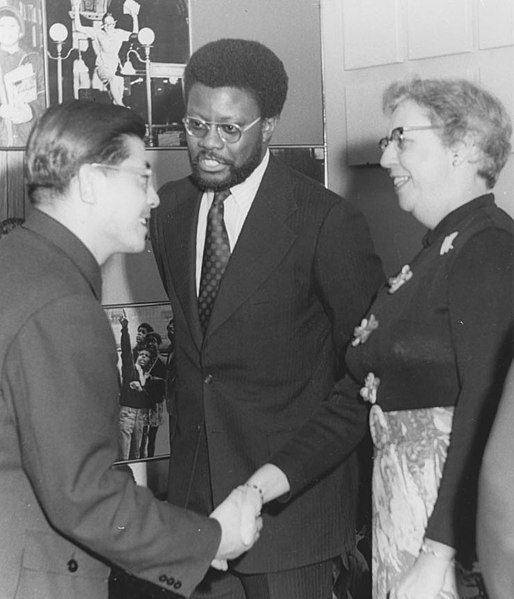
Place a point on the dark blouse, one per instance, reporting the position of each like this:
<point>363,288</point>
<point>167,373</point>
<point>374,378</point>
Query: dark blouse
<point>444,338</point>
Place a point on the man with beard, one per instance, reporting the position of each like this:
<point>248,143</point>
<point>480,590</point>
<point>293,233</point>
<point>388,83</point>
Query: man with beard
<point>267,272</point>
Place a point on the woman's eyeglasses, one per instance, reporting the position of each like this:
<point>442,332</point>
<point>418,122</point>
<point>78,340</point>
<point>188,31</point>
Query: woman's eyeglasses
<point>397,136</point>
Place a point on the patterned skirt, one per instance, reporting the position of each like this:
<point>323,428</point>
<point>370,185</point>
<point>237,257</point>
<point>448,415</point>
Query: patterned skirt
<point>410,452</point>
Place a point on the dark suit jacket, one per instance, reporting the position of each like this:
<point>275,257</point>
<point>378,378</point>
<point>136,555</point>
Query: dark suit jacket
<point>299,279</point>
<point>65,514</point>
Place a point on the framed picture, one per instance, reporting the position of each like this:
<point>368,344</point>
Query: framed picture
<point>308,160</point>
<point>130,52</point>
<point>22,70</point>
<point>143,432</point>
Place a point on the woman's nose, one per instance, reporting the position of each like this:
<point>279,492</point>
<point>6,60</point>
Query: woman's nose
<point>389,156</point>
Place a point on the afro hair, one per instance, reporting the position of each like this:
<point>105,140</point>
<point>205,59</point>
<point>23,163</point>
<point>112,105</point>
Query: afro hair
<point>243,64</point>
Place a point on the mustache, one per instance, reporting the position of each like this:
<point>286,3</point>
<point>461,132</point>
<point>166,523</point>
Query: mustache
<point>209,156</point>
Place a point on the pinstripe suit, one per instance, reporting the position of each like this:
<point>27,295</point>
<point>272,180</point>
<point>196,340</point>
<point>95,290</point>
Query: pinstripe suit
<point>300,277</point>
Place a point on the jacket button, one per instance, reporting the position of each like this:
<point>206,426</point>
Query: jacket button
<point>208,379</point>
<point>72,565</point>
<point>177,585</point>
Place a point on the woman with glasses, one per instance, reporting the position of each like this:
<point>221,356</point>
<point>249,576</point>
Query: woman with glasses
<point>434,348</point>
<point>432,353</point>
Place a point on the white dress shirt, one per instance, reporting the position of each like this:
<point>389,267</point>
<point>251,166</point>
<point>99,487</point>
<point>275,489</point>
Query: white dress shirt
<point>236,208</point>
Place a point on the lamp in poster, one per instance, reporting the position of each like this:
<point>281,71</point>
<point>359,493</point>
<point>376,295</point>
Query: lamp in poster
<point>128,52</point>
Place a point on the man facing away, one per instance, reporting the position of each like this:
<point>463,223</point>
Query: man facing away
<point>266,281</point>
<point>65,513</point>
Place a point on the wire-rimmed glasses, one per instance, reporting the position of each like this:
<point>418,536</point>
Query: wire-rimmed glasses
<point>228,132</point>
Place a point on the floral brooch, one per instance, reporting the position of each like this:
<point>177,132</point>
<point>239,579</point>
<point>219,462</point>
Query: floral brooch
<point>364,330</point>
<point>447,244</point>
<point>369,391</point>
<point>401,278</point>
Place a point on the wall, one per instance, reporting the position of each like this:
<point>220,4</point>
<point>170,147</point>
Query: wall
<point>392,33</point>
<point>369,43</point>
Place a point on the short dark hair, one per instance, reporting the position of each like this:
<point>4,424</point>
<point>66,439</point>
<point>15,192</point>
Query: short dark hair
<point>460,107</point>
<point>69,135</point>
<point>157,338</point>
<point>147,327</point>
<point>243,64</point>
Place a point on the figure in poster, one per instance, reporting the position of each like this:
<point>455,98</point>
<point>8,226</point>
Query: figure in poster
<point>22,86</point>
<point>107,41</point>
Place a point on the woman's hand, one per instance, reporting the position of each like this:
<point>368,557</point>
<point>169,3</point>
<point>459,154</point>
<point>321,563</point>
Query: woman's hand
<point>426,577</point>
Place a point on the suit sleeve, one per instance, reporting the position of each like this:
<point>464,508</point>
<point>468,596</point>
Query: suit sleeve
<point>326,439</point>
<point>347,271</point>
<point>347,274</point>
<point>62,376</point>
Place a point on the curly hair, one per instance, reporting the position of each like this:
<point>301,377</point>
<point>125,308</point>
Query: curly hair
<point>460,108</point>
<point>243,64</point>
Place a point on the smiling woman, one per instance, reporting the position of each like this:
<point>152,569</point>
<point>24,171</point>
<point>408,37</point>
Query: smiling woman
<point>433,401</point>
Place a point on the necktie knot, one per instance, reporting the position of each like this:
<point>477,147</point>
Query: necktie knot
<point>220,197</point>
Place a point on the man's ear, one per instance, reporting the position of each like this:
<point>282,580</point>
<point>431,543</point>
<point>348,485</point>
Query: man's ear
<point>86,183</point>
<point>268,128</point>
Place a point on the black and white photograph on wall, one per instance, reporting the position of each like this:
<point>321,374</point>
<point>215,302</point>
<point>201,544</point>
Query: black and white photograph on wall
<point>22,72</point>
<point>144,337</point>
<point>126,52</point>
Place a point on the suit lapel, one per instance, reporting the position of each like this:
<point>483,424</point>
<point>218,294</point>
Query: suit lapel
<point>180,234</point>
<point>264,240</point>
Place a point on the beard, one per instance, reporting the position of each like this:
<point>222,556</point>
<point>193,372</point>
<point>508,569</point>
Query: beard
<point>236,175</point>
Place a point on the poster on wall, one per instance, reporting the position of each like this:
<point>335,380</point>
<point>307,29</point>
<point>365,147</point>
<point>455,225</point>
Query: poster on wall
<point>22,70</point>
<point>144,372</point>
<point>126,52</point>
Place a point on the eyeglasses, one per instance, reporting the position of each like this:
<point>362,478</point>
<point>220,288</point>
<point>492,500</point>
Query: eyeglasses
<point>397,136</point>
<point>144,173</point>
<point>229,132</point>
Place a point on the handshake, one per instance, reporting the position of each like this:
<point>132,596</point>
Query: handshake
<point>240,514</point>
<point>241,523</point>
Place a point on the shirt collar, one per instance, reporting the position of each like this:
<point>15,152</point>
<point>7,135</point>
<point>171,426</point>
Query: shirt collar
<point>64,240</point>
<point>453,220</point>
<point>245,192</point>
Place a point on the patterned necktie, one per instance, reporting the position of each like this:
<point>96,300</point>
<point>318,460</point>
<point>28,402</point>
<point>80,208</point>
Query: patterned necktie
<point>216,254</point>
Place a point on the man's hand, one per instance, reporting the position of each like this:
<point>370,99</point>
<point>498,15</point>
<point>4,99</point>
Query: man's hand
<point>241,523</point>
